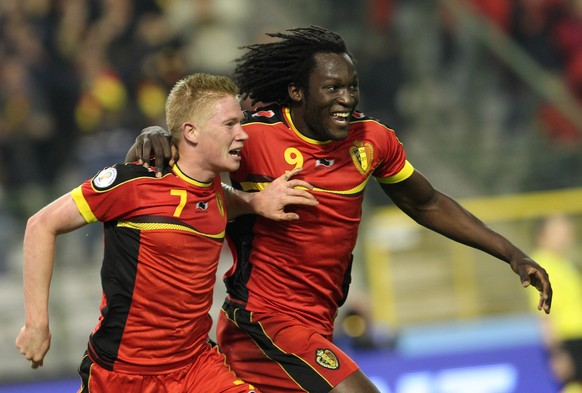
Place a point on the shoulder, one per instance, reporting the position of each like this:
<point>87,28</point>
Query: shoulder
<point>361,118</point>
<point>265,115</point>
<point>362,123</point>
<point>112,176</point>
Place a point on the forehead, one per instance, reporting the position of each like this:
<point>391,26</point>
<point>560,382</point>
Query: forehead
<point>225,108</point>
<point>333,66</point>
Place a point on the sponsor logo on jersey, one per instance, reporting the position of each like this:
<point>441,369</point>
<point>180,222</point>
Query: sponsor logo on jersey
<point>267,114</point>
<point>105,178</point>
<point>358,115</point>
<point>326,358</point>
<point>201,205</point>
<point>324,162</point>
<point>362,155</point>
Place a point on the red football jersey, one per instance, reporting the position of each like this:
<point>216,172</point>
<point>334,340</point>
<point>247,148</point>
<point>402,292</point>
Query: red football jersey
<point>163,239</point>
<point>302,268</point>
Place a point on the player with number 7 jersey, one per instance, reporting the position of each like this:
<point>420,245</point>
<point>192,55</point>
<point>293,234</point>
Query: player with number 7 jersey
<point>145,285</point>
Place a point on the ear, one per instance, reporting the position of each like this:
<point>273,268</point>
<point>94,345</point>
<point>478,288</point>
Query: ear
<point>295,93</point>
<point>190,132</point>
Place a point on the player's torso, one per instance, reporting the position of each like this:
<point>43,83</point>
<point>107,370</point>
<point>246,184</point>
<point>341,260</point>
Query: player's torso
<point>161,253</point>
<point>306,262</point>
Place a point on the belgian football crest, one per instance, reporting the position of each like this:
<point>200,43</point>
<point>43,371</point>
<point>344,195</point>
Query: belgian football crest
<point>326,358</point>
<point>362,155</point>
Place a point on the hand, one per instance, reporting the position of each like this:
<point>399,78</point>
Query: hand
<point>159,140</point>
<point>271,202</point>
<point>33,344</point>
<point>531,273</point>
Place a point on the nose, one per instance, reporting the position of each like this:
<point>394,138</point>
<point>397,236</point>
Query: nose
<point>241,135</point>
<point>347,97</point>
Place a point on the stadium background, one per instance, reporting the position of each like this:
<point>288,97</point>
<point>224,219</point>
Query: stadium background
<point>485,95</point>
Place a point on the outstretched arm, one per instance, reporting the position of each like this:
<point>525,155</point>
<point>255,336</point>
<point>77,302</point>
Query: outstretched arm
<point>59,217</point>
<point>153,141</point>
<point>271,201</point>
<point>430,208</point>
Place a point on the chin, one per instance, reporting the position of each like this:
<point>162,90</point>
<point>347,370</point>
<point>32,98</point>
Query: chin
<point>338,135</point>
<point>233,167</point>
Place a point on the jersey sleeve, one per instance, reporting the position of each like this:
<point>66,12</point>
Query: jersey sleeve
<point>112,194</point>
<point>394,166</point>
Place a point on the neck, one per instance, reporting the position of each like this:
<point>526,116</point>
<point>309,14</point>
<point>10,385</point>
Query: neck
<point>195,171</point>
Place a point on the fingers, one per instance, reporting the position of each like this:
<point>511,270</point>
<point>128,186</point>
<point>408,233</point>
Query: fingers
<point>36,364</point>
<point>288,175</point>
<point>154,143</point>
<point>299,183</point>
<point>35,360</point>
<point>289,217</point>
<point>542,283</point>
<point>33,344</point>
<point>295,182</point>
<point>139,153</point>
<point>545,303</point>
<point>300,197</point>
<point>174,155</point>
<point>162,153</point>
<point>546,297</point>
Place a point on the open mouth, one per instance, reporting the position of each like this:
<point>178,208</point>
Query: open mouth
<point>341,117</point>
<point>235,152</point>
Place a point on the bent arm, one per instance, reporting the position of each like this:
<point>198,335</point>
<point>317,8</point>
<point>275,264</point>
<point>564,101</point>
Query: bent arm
<point>432,209</point>
<point>271,201</point>
<point>59,217</point>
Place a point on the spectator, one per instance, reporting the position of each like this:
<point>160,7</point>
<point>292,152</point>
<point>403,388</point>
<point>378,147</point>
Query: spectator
<point>562,329</point>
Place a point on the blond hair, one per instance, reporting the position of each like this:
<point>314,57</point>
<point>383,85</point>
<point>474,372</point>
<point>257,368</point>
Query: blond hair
<point>191,98</point>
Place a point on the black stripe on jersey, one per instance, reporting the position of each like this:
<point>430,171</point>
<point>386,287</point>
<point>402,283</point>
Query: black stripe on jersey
<point>240,234</point>
<point>298,370</point>
<point>346,282</point>
<point>163,220</point>
<point>151,222</point>
<point>118,275</point>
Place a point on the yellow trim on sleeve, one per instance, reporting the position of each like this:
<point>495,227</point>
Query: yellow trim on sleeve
<point>406,171</point>
<point>82,205</point>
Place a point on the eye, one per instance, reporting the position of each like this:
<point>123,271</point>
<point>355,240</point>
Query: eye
<point>232,123</point>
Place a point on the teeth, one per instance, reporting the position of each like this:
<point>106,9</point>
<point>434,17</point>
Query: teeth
<point>341,114</point>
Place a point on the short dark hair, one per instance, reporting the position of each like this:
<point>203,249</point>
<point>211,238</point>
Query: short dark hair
<point>265,71</point>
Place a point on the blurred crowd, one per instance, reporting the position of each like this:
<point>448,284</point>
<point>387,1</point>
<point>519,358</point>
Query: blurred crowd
<point>79,68</point>
<point>550,32</point>
<point>79,79</point>
<point>73,68</point>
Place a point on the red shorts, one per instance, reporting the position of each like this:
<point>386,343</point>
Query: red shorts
<point>279,355</point>
<point>208,373</point>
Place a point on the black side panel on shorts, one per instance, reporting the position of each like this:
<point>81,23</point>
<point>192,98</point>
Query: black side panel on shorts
<point>306,377</point>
